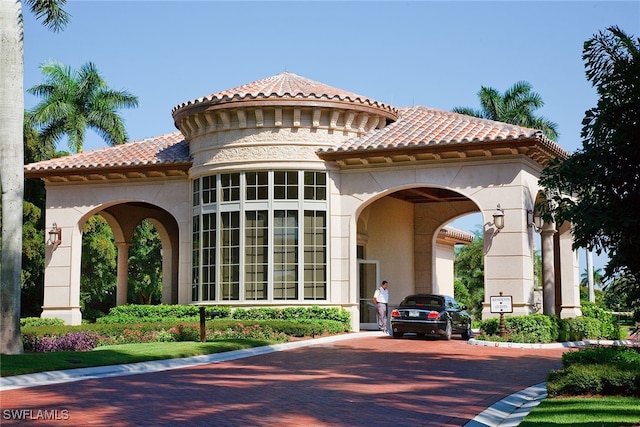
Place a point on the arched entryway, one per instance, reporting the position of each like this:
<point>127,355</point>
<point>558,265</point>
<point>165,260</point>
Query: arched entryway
<point>125,217</point>
<point>63,261</point>
<point>401,238</point>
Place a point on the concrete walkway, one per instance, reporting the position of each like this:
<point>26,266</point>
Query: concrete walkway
<point>362,378</point>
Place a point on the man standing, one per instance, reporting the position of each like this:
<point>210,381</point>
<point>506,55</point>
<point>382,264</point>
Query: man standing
<point>381,299</point>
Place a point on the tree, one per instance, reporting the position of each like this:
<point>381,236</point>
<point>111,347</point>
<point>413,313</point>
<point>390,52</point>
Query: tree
<point>77,100</point>
<point>98,278</point>
<point>11,156</point>
<point>515,107</point>
<point>145,265</point>
<point>469,274</point>
<point>597,188</point>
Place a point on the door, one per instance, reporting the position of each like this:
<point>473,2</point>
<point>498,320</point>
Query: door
<point>368,279</point>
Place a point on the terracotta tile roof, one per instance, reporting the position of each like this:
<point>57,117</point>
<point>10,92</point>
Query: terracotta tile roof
<point>416,127</point>
<point>283,86</point>
<point>456,235</point>
<point>423,126</point>
<point>164,150</point>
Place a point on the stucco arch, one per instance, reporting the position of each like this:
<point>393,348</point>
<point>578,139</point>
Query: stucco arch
<point>473,186</point>
<point>123,207</point>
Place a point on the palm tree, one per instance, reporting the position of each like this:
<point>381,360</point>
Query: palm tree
<point>11,156</point>
<point>515,107</point>
<point>77,100</point>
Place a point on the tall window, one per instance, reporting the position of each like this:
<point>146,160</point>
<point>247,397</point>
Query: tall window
<point>315,253</point>
<point>230,256</point>
<point>285,254</point>
<point>260,236</point>
<point>208,257</point>
<point>195,259</point>
<point>256,259</point>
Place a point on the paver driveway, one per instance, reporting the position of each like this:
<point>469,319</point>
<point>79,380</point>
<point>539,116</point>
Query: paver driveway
<point>372,381</point>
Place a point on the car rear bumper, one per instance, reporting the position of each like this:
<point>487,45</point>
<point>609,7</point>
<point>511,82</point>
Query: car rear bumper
<point>420,327</point>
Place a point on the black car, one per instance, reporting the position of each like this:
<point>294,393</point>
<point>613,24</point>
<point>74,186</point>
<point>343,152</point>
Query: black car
<point>430,315</point>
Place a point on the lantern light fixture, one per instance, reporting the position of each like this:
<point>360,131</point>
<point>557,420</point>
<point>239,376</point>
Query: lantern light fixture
<point>534,220</point>
<point>498,218</point>
<point>55,236</point>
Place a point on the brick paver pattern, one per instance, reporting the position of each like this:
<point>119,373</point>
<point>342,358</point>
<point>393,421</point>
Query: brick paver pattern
<point>372,381</point>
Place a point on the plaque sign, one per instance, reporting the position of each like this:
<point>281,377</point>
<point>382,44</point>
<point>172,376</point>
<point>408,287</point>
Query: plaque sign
<point>502,304</point>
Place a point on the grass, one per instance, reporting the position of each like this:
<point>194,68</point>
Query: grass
<point>28,363</point>
<point>601,411</point>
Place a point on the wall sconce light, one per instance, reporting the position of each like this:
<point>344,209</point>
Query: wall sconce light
<point>534,220</point>
<point>498,218</point>
<point>55,236</point>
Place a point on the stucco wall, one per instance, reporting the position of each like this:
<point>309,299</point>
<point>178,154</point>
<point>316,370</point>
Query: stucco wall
<point>390,231</point>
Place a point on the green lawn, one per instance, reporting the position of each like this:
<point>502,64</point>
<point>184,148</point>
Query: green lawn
<point>606,411</point>
<point>117,354</point>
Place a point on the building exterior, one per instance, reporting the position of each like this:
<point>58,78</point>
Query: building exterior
<point>286,191</point>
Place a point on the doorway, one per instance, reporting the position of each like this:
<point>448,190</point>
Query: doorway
<point>368,279</point>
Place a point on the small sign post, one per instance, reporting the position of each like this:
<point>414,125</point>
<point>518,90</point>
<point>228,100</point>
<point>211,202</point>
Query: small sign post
<point>502,304</point>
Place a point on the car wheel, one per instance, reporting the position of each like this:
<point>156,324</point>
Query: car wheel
<point>447,331</point>
<point>466,335</point>
<point>397,334</point>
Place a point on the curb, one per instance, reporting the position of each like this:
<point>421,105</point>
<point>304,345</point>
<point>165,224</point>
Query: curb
<point>573,344</point>
<point>511,410</point>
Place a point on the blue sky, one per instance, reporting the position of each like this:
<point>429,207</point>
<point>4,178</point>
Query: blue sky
<point>432,53</point>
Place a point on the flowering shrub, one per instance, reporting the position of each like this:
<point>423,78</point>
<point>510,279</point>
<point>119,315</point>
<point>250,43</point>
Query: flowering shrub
<point>87,336</point>
<point>71,341</point>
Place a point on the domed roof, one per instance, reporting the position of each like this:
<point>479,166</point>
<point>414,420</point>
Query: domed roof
<point>282,87</point>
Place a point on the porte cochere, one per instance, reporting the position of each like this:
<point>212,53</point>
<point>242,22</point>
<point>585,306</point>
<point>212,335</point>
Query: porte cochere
<point>288,192</point>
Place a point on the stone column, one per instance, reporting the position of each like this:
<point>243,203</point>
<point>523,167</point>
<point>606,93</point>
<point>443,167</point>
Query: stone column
<point>123,272</point>
<point>569,274</point>
<point>548,270</point>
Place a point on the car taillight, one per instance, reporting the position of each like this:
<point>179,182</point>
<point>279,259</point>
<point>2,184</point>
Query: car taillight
<point>433,315</point>
<point>395,313</point>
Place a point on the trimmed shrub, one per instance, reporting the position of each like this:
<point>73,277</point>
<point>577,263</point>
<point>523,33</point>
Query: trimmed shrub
<point>595,323</point>
<point>39,321</point>
<point>620,355</point>
<point>136,313</point>
<point>533,328</point>
<point>597,371</point>
<point>294,313</point>
<point>45,338</point>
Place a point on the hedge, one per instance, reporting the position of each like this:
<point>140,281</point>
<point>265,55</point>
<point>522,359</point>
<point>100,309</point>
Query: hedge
<point>596,323</point>
<point>533,328</point>
<point>134,313</point>
<point>597,371</point>
<point>87,336</point>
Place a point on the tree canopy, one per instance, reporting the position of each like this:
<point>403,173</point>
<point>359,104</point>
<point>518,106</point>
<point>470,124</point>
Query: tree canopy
<point>516,106</point>
<point>597,188</point>
<point>76,100</point>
